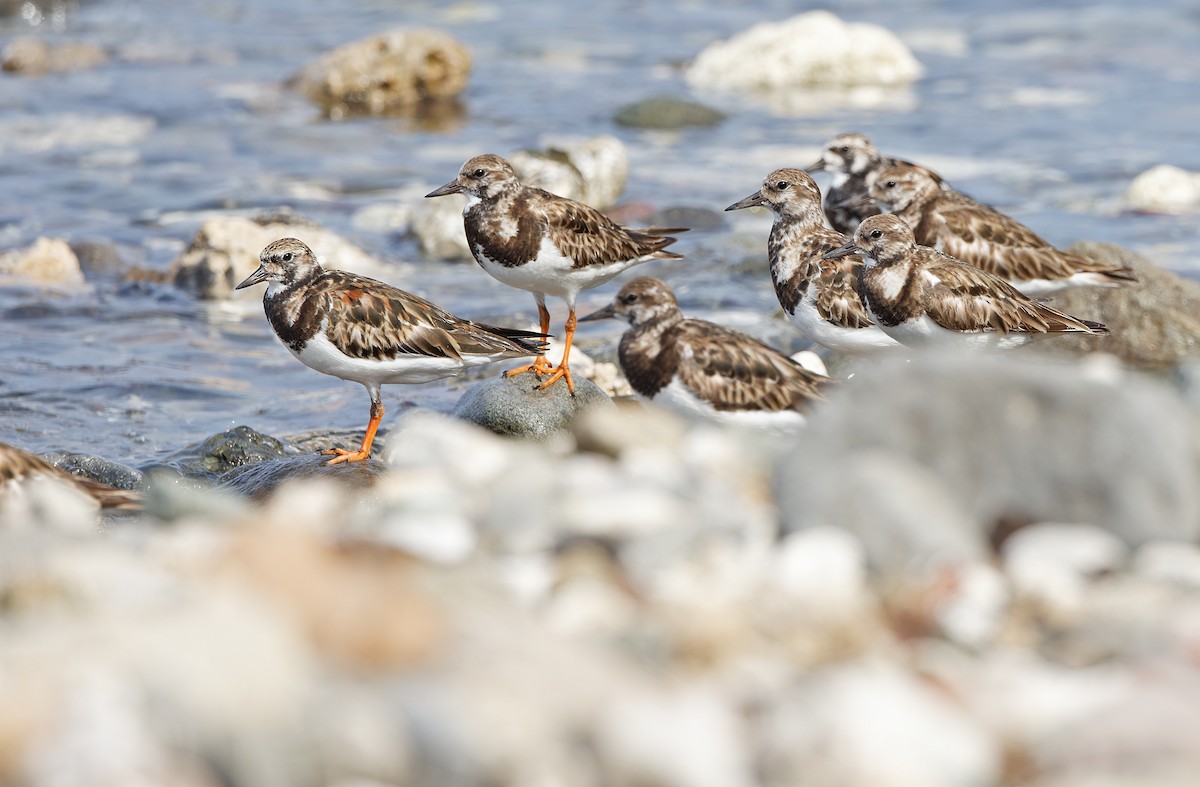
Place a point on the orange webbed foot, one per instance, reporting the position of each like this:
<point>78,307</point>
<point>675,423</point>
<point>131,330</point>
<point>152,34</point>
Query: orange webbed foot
<point>558,373</point>
<point>540,367</point>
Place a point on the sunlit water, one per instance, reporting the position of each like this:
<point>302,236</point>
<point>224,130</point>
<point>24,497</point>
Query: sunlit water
<point>1044,110</point>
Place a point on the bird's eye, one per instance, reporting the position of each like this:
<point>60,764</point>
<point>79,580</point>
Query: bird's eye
<point>876,234</point>
<point>477,173</point>
<point>844,148</point>
<point>891,184</point>
<point>781,185</point>
<point>630,298</point>
<point>287,256</point>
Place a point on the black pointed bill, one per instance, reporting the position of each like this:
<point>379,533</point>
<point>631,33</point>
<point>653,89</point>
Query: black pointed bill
<point>818,167</point>
<point>600,314</point>
<point>862,201</point>
<point>845,250</point>
<point>753,201</point>
<point>450,188</point>
<point>258,277</point>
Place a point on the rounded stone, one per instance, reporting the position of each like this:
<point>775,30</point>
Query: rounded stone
<point>667,112</point>
<point>514,406</point>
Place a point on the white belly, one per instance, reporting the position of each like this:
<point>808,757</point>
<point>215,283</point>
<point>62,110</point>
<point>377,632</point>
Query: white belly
<point>319,353</point>
<point>552,273</point>
<point>924,332</point>
<point>677,398</point>
<point>836,337</point>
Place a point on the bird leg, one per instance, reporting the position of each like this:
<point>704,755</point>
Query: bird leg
<point>562,370</point>
<point>540,365</point>
<point>364,451</point>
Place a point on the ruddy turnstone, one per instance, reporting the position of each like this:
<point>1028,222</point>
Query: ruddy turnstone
<point>819,296</point>
<point>852,162</point>
<point>549,245</point>
<point>922,297</point>
<point>701,369</point>
<point>369,332</point>
<point>974,233</point>
<point>19,467</point>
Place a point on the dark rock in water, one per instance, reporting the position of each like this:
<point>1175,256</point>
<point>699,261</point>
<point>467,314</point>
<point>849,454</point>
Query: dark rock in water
<point>960,442</point>
<point>319,440</point>
<point>1155,323</point>
<point>98,259</point>
<point>227,450</point>
<point>511,406</point>
<point>667,112</point>
<point>99,469</point>
<point>691,217</point>
<point>260,480</point>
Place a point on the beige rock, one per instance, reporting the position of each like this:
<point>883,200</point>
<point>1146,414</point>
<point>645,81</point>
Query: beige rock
<point>226,249</point>
<point>387,72</point>
<point>35,56</point>
<point>1164,189</point>
<point>48,260</point>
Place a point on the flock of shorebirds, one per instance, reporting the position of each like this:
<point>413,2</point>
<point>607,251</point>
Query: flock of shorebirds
<point>903,260</point>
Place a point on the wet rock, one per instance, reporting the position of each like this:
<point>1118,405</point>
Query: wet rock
<point>511,405</point>
<point>259,480</point>
<point>811,49</point>
<point>222,452</point>
<point>387,72</point>
<point>32,56</point>
<point>667,112</point>
<point>1164,189</point>
<point>48,260</point>
<point>1155,323</point>
<point>225,251</point>
<point>99,469</point>
<point>98,259</point>
<point>998,439</point>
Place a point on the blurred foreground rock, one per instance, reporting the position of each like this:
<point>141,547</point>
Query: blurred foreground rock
<point>1155,323</point>
<point>389,72</point>
<point>225,251</point>
<point>513,406</point>
<point>33,56</point>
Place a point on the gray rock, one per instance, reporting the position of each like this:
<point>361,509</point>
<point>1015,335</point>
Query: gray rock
<point>1155,323</point>
<point>695,218</point>
<point>667,112</point>
<point>98,259</point>
<point>258,481</point>
<point>512,406</point>
<point>1004,440</point>
<point>223,452</point>
<point>386,73</point>
<point>98,468</point>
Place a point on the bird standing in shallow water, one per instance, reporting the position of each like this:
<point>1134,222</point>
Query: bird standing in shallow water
<point>363,330</point>
<point>701,369</point>
<point>980,235</point>
<point>922,297</point>
<point>549,245</point>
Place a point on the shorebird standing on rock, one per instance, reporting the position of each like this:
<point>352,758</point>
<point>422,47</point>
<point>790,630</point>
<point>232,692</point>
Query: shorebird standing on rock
<point>549,245</point>
<point>360,329</point>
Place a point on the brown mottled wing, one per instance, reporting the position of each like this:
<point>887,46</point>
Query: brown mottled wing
<point>17,465</point>
<point>963,298</point>
<point>837,298</point>
<point>369,319</point>
<point>736,372</point>
<point>588,237</point>
<point>999,244</point>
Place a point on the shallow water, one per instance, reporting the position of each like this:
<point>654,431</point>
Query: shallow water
<point>1046,111</point>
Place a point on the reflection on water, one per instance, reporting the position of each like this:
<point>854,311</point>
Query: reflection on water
<point>1045,112</point>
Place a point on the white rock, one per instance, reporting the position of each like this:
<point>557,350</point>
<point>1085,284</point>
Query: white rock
<point>871,723</point>
<point>824,568</point>
<point>589,607</point>
<point>1164,189</point>
<point>438,227</point>
<point>226,249</point>
<point>973,611</point>
<point>1054,563</point>
<point>48,260</point>
<point>1171,561</point>
<point>686,738</point>
<point>812,49</point>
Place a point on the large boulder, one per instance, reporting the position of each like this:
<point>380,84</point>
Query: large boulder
<point>994,443</point>
<point>1155,323</point>
<point>48,260</point>
<point>226,248</point>
<point>386,73</point>
<point>815,49</point>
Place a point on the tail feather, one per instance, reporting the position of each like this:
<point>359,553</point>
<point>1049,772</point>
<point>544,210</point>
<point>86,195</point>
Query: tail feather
<point>532,342</point>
